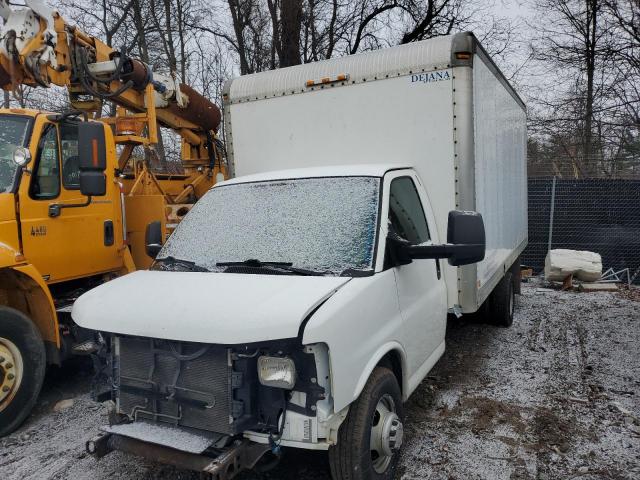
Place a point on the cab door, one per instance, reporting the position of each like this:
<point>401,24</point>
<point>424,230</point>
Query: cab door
<point>420,285</point>
<point>82,240</point>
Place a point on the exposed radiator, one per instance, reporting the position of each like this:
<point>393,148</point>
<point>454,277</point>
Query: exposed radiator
<point>178,383</point>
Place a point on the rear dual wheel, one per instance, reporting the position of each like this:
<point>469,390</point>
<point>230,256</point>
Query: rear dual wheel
<point>501,302</point>
<point>370,438</point>
<point>22,368</point>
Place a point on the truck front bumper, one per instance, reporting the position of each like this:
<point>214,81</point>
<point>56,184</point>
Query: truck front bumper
<point>224,465</point>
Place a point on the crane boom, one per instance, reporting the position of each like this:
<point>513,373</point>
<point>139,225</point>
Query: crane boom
<point>39,48</point>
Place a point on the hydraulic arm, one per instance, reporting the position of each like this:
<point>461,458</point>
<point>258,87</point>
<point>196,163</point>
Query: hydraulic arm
<point>38,48</point>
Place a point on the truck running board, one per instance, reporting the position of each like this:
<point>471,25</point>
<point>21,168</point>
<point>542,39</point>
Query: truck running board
<point>242,455</point>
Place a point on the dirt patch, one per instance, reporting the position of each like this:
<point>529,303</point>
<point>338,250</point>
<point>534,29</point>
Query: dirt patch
<point>629,293</point>
<point>552,432</point>
<point>488,413</point>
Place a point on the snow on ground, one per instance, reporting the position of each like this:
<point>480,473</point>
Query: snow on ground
<point>555,396</point>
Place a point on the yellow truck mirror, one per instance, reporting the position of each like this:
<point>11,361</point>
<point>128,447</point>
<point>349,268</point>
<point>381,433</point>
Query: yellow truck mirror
<point>93,159</point>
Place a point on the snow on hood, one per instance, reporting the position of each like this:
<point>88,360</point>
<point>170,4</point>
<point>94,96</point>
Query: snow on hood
<point>205,307</point>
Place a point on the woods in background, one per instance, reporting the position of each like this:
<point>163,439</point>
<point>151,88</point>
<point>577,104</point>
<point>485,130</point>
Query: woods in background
<point>586,108</point>
<point>575,62</point>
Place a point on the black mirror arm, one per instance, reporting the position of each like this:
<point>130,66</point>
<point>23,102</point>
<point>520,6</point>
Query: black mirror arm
<point>446,250</point>
<point>397,248</point>
<point>55,209</point>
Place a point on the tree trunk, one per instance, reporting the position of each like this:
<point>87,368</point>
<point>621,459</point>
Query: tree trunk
<point>182,40</point>
<point>592,19</point>
<point>140,30</point>
<point>331,42</point>
<point>272,5</point>
<point>170,48</point>
<point>291,24</point>
<point>238,28</point>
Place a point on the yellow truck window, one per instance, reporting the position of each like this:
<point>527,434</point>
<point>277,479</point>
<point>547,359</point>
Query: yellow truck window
<point>46,181</point>
<point>13,134</point>
<point>70,159</point>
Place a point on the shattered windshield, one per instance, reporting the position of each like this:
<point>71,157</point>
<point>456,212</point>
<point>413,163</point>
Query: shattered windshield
<point>324,224</point>
<point>13,134</point>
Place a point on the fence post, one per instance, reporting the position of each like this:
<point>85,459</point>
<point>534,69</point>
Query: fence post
<point>552,209</point>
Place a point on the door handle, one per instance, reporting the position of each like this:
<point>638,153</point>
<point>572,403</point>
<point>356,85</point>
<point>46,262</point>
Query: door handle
<point>108,233</point>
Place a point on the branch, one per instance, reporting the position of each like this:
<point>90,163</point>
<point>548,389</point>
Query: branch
<point>368,19</point>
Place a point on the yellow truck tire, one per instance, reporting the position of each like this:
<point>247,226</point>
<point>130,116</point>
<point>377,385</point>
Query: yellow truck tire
<point>22,366</point>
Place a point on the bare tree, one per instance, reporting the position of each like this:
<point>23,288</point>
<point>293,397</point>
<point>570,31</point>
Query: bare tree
<point>140,29</point>
<point>574,40</point>
<point>588,113</point>
<point>626,13</point>
<point>310,30</point>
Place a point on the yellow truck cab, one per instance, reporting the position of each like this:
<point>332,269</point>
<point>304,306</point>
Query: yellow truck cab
<point>61,232</point>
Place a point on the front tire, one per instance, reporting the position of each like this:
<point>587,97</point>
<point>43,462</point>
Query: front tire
<point>22,368</point>
<point>370,438</point>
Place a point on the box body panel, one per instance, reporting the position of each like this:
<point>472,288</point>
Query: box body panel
<point>500,133</point>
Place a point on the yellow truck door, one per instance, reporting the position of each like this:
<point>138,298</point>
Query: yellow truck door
<point>81,241</point>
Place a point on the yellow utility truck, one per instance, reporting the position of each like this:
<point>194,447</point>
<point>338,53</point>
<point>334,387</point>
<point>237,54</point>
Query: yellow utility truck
<point>76,197</point>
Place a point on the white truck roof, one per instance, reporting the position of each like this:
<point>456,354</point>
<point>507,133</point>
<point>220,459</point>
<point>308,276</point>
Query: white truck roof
<point>365,170</point>
<point>394,61</point>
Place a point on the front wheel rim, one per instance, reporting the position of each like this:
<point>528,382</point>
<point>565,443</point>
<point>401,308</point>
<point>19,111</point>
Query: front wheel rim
<point>386,434</point>
<point>11,371</point>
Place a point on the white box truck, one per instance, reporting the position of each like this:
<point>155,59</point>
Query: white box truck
<point>301,303</point>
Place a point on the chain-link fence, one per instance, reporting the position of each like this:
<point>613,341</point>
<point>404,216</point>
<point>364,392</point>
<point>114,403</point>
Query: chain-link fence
<point>599,215</point>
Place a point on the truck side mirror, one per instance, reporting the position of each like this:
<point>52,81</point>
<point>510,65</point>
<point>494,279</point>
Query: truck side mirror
<point>465,231</point>
<point>153,239</point>
<point>92,154</point>
<point>466,241</point>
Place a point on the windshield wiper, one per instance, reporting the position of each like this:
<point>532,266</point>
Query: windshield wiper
<point>272,266</point>
<point>178,262</point>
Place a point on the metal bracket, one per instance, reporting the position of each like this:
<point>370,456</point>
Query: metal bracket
<point>456,310</point>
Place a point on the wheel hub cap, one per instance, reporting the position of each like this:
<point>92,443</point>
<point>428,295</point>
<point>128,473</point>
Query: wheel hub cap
<point>10,371</point>
<point>387,434</point>
<point>392,434</point>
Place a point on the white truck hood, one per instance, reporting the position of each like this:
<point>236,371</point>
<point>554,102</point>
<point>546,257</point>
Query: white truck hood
<point>226,308</point>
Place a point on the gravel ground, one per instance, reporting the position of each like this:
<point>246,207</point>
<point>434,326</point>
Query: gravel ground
<point>555,396</point>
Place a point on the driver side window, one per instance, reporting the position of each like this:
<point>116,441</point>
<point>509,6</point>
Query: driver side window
<point>46,179</point>
<point>70,158</point>
<point>406,215</point>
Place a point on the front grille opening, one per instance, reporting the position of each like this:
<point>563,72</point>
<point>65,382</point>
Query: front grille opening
<point>179,383</point>
<point>214,388</point>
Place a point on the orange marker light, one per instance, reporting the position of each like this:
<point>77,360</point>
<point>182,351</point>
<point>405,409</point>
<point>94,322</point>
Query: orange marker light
<point>94,146</point>
<point>327,80</point>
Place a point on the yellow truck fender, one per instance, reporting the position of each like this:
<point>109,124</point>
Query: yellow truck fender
<point>22,288</point>
<point>8,256</point>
